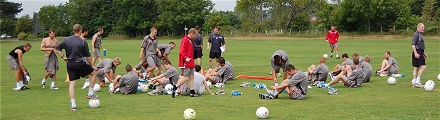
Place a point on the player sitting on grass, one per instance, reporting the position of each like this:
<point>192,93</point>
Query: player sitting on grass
<point>199,83</point>
<point>170,76</point>
<point>219,75</point>
<point>141,69</point>
<point>389,65</point>
<point>106,68</point>
<point>128,83</point>
<point>366,66</point>
<point>354,80</point>
<point>318,73</point>
<point>345,68</point>
<point>295,85</point>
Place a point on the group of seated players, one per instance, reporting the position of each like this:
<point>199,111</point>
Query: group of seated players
<point>352,73</point>
<point>136,76</point>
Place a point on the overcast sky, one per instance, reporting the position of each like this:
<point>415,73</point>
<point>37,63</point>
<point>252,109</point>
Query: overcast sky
<point>31,6</point>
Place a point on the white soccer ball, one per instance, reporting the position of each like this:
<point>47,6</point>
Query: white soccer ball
<point>201,90</point>
<point>262,112</point>
<point>189,114</point>
<point>429,85</point>
<point>96,88</point>
<point>209,84</point>
<point>438,76</point>
<point>168,88</point>
<point>94,103</point>
<point>144,88</point>
<point>391,80</point>
<point>325,56</point>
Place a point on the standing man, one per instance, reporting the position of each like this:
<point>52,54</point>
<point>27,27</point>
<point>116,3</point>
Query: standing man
<point>149,50</point>
<point>165,50</point>
<point>216,45</point>
<point>198,47</point>
<point>15,60</point>
<point>96,43</point>
<point>418,55</point>
<point>51,62</point>
<point>279,60</point>
<point>77,48</point>
<point>332,37</point>
<point>186,62</point>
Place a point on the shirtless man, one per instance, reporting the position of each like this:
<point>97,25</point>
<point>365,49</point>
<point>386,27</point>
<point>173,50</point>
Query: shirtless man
<point>51,61</point>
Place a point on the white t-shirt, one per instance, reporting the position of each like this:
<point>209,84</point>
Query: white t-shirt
<point>198,81</point>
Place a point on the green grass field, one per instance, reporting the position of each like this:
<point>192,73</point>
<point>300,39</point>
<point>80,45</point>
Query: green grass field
<point>373,100</point>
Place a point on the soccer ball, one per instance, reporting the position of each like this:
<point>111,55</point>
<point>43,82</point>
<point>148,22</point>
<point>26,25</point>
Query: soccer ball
<point>144,88</point>
<point>94,103</point>
<point>96,88</point>
<point>209,84</point>
<point>429,85</point>
<point>325,56</point>
<point>438,76</point>
<point>391,80</point>
<point>262,112</point>
<point>189,114</point>
<point>168,88</point>
<point>201,90</point>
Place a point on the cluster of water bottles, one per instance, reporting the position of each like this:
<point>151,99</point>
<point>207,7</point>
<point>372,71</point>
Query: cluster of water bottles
<point>259,85</point>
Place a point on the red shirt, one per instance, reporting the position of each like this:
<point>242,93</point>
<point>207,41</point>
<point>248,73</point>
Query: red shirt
<point>186,51</point>
<point>332,36</point>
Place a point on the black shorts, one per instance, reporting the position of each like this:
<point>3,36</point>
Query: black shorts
<point>215,55</point>
<point>417,62</point>
<point>198,52</point>
<point>77,70</point>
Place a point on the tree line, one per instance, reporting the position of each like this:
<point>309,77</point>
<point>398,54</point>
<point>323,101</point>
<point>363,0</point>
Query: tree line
<point>136,17</point>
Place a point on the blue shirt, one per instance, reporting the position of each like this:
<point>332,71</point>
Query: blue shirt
<point>216,40</point>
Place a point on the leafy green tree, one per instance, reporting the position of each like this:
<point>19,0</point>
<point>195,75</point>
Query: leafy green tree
<point>8,11</point>
<point>24,24</point>
<point>55,17</point>
<point>143,16</point>
<point>250,14</point>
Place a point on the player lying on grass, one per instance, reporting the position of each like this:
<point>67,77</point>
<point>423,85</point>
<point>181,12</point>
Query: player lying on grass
<point>220,75</point>
<point>127,84</point>
<point>318,73</point>
<point>295,85</point>
<point>354,80</point>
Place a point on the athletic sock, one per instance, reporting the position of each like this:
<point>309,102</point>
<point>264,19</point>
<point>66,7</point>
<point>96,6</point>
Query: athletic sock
<point>192,91</point>
<point>87,80</point>
<point>52,84</point>
<point>21,83</point>
<point>337,55</point>
<point>418,80</point>
<point>331,53</point>
<point>18,84</point>
<point>72,101</point>
<point>91,91</point>
<point>276,84</point>
<point>43,81</point>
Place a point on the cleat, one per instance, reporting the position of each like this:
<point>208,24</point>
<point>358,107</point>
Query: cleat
<point>245,84</point>
<point>193,95</point>
<point>86,84</point>
<point>265,96</point>
<point>16,89</point>
<point>331,55</point>
<point>333,91</point>
<point>43,85</point>
<point>220,92</point>
<point>272,92</point>
<point>270,73</point>
<point>338,57</point>
<point>173,94</point>
<point>154,92</point>
<point>279,74</point>
<point>24,88</point>
<point>54,88</point>
<point>219,85</point>
<point>93,96</point>
<point>74,109</point>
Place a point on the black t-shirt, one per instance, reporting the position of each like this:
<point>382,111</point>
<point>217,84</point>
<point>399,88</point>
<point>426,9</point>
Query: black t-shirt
<point>15,55</point>
<point>76,48</point>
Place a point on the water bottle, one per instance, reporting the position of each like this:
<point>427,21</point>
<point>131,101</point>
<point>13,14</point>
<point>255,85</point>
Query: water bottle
<point>398,75</point>
<point>330,88</point>
<point>284,91</point>
<point>105,52</point>
<point>235,93</point>
<point>254,84</point>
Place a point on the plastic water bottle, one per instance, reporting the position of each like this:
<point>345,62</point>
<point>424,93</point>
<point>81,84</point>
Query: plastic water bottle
<point>398,75</point>
<point>235,93</point>
<point>330,88</point>
<point>105,52</point>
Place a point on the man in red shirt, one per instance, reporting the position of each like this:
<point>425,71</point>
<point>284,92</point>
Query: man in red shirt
<point>332,38</point>
<point>186,62</point>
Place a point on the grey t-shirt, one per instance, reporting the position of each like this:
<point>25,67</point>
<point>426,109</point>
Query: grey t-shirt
<point>150,45</point>
<point>76,48</point>
<point>321,71</point>
<point>393,63</point>
<point>197,41</point>
<point>283,56</point>
<point>106,64</point>
<point>165,48</point>
<point>128,83</point>
<point>299,80</point>
<point>418,41</point>
<point>347,62</point>
<point>97,41</point>
<point>216,40</point>
<point>223,72</point>
<point>141,68</point>
<point>230,70</point>
<point>367,68</point>
<point>172,74</point>
<point>357,76</point>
